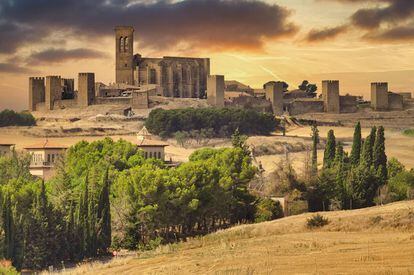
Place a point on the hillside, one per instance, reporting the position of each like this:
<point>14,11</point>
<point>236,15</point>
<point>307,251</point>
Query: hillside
<point>378,240</point>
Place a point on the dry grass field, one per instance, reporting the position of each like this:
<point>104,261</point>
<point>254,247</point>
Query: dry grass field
<point>378,240</point>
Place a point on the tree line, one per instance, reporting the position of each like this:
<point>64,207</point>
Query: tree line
<point>217,122</point>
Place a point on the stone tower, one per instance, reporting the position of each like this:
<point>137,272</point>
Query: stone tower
<point>53,91</point>
<point>274,93</point>
<point>215,90</point>
<point>124,54</point>
<point>86,89</point>
<point>36,92</point>
<point>330,95</point>
<point>379,96</point>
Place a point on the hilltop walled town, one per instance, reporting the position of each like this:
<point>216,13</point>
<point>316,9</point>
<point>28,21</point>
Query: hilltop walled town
<point>140,78</point>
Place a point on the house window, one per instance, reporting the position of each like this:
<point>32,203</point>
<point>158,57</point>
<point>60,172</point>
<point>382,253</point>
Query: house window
<point>48,157</point>
<point>150,155</point>
<point>146,155</point>
<point>159,155</point>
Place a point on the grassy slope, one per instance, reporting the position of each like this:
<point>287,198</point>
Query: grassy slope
<point>378,240</point>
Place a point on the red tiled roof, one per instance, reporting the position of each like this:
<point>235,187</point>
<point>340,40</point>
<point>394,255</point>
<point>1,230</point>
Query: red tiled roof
<point>151,143</point>
<point>46,145</point>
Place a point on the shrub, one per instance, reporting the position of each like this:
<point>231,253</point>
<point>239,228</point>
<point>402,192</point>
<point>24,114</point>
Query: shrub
<point>12,118</point>
<point>317,221</point>
<point>409,132</point>
<point>268,210</point>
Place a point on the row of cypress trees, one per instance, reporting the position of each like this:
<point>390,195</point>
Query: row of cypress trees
<point>38,234</point>
<point>353,180</point>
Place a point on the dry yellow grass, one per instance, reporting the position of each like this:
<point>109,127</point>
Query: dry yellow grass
<point>378,240</point>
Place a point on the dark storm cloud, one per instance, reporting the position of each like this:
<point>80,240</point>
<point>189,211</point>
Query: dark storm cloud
<point>388,20</point>
<point>324,34</point>
<point>397,34</point>
<point>62,55</point>
<point>220,24</point>
<point>13,68</point>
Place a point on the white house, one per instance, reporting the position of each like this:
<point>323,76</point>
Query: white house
<point>44,157</point>
<point>152,148</point>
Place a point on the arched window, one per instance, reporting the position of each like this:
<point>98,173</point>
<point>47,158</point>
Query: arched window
<point>126,44</point>
<point>121,44</point>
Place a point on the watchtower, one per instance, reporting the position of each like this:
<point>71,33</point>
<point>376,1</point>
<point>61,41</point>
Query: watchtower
<point>330,95</point>
<point>124,54</point>
<point>379,96</point>
<point>86,89</point>
<point>36,92</point>
<point>215,90</point>
<point>53,91</point>
<point>274,93</point>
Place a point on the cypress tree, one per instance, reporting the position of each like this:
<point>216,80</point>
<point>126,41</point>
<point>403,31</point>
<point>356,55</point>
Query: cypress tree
<point>104,217</point>
<point>329,155</point>
<point>8,227</point>
<point>83,220</point>
<point>356,145</point>
<point>379,158</point>
<point>315,142</point>
<point>366,156</point>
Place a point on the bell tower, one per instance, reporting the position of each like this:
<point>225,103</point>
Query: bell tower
<point>124,54</point>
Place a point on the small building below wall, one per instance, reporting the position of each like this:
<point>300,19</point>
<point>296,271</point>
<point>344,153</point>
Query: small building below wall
<point>44,157</point>
<point>151,148</point>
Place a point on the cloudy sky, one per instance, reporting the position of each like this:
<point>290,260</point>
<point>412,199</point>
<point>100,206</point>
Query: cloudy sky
<point>355,41</point>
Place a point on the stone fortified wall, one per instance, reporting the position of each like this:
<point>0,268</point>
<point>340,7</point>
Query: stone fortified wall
<point>274,93</point>
<point>379,96</point>
<point>348,104</point>
<point>215,90</point>
<point>53,91</point>
<point>86,89</point>
<point>330,95</point>
<point>36,92</point>
<point>395,101</point>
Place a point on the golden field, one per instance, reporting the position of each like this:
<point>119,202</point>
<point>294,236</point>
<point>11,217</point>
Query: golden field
<point>378,240</point>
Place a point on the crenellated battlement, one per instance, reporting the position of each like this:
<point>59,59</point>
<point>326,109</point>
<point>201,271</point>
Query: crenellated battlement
<point>380,84</point>
<point>37,78</point>
<point>331,82</point>
<point>53,77</point>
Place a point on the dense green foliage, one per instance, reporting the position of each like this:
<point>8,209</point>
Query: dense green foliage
<point>12,118</point>
<point>105,194</point>
<point>218,122</point>
<point>348,182</point>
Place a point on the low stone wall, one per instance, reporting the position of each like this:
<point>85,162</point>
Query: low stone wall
<point>406,95</point>
<point>395,101</point>
<point>259,104</point>
<point>298,107</point>
<point>113,100</point>
<point>348,104</point>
